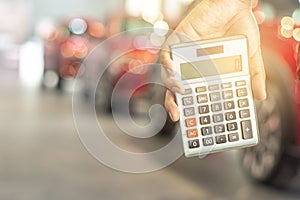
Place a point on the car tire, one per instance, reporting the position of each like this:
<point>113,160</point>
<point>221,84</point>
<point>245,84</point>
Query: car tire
<point>268,162</point>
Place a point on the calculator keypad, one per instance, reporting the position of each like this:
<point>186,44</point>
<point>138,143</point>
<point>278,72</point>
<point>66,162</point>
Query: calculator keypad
<point>217,114</point>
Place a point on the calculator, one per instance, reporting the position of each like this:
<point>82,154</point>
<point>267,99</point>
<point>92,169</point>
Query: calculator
<point>217,110</point>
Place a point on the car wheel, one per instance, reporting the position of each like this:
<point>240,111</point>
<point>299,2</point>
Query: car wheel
<point>268,162</point>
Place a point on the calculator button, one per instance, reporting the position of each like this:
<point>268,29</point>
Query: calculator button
<point>244,113</point>
<point>190,122</point>
<point>208,141</point>
<point>215,96</point>
<point>220,139</point>
<point>206,131</point>
<point>188,91</point>
<point>216,107</point>
<point>232,126</point>
<point>230,116</point>
<point>228,94</point>
<point>187,101</point>
<point>203,109</point>
<point>243,103</point>
<point>201,89</point>
<point>247,129</point>
<point>228,105</point>
<point>219,128</point>
<point>241,92</point>
<point>189,111</point>
<point>202,98</point>
<point>194,144</point>
<point>213,87</point>
<point>205,120</point>
<point>233,137</point>
<point>240,83</point>
<point>226,85</point>
<point>192,133</point>
<point>218,118</point>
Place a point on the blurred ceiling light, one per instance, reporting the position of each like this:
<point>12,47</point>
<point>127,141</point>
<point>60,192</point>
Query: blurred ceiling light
<point>259,16</point>
<point>78,26</point>
<point>286,33</point>
<point>296,16</point>
<point>161,28</point>
<point>287,23</point>
<point>96,29</point>
<point>296,34</point>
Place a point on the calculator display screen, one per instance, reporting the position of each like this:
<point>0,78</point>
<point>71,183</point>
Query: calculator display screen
<point>211,67</point>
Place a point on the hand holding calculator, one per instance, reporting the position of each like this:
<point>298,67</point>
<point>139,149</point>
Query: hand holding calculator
<point>217,109</point>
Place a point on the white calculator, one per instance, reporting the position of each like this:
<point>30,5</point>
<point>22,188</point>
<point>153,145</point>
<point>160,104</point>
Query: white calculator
<point>217,110</point>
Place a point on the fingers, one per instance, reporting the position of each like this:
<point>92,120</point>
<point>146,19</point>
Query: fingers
<point>258,76</point>
<point>168,73</point>
<point>171,106</point>
<point>168,78</point>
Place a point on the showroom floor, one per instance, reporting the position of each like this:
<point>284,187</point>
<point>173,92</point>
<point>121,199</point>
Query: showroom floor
<point>42,158</point>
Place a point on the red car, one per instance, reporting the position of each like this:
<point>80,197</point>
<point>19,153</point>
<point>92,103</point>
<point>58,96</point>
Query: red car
<point>275,160</point>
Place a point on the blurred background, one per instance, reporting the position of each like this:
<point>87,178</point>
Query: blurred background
<point>45,44</point>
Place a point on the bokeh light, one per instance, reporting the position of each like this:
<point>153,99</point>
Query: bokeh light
<point>296,34</point>
<point>96,29</point>
<point>74,47</point>
<point>287,23</point>
<point>161,28</point>
<point>286,33</point>
<point>50,79</point>
<point>78,26</point>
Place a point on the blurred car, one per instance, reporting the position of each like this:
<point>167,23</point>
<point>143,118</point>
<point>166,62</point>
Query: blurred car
<point>275,160</point>
<point>131,67</point>
<point>66,45</point>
